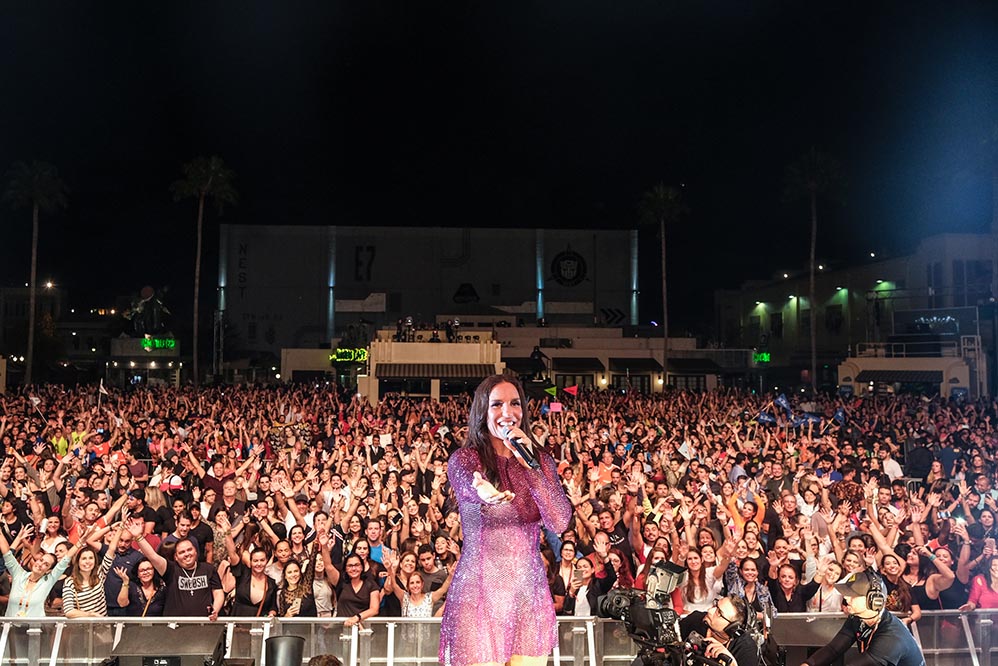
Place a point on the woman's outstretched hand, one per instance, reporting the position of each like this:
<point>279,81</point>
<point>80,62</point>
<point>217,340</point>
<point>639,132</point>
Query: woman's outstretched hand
<point>488,493</point>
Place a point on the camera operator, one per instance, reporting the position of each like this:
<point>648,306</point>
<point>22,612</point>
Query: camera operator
<point>881,637</point>
<point>724,631</point>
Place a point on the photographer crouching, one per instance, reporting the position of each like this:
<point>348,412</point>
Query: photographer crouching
<point>723,630</point>
<point>718,637</point>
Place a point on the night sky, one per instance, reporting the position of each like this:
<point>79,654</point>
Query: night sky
<point>554,114</point>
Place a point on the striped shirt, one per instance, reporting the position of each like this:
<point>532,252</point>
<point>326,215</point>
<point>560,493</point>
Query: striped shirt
<point>89,599</point>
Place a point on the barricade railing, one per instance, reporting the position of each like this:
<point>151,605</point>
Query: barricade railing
<point>947,638</point>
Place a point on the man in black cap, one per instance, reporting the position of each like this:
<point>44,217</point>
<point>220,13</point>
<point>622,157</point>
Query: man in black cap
<point>881,638</point>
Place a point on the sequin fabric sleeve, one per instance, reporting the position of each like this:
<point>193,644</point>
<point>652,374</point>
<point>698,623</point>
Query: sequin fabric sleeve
<point>499,604</point>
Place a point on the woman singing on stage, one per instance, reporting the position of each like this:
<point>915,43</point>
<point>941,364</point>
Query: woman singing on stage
<point>499,608</point>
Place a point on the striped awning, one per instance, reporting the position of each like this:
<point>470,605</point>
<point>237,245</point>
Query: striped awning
<point>901,376</point>
<point>434,370</point>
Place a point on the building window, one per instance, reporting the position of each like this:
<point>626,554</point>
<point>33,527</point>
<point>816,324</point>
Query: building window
<point>833,319</point>
<point>692,382</point>
<point>575,380</point>
<point>959,284</point>
<point>971,282</point>
<point>776,325</point>
<point>934,279</point>
<point>754,329</point>
<point>805,321</point>
<point>251,331</point>
<point>640,383</point>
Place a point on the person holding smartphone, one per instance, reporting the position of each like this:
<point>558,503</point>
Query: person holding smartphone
<point>585,589</point>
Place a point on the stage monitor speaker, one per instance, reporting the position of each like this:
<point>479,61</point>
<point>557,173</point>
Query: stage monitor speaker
<point>159,645</point>
<point>285,650</point>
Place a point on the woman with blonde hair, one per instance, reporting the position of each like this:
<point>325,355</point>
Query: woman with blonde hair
<point>156,500</point>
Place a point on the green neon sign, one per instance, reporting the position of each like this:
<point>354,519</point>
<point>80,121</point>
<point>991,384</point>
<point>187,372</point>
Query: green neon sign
<point>760,357</point>
<point>158,343</point>
<point>347,355</point>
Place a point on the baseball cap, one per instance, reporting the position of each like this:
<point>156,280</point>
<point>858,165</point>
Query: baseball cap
<point>858,584</point>
<point>172,483</point>
<point>301,498</point>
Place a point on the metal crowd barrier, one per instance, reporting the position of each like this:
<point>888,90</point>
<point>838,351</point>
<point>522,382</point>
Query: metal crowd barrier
<point>947,638</point>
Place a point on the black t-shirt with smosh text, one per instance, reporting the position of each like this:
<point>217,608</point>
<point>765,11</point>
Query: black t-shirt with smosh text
<point>189,593</point>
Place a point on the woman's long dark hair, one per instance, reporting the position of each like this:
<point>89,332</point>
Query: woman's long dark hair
<point>696,584</point>
<point>899,600</point>
<point>478,424</point>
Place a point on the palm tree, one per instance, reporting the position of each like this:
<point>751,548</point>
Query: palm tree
<point>36,186</point>
<point>814,175</point>
<point>203,178</point>
<point>659,206</point>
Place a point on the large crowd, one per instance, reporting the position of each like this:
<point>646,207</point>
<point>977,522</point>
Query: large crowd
<point>310,501</point>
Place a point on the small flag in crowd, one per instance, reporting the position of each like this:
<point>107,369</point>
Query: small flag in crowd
<point>781,401</point>
<point>806,418</point>
<point>553,391</point>
<point>765,417</point>
<point>34,403</point>
<point>556,406</point>
<point>684,449</point>
<point>571,390</point>
<point>839,416</point>
<point>101,389</point>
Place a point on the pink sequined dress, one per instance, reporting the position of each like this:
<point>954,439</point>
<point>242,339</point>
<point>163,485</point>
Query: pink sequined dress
<point>499,603</point>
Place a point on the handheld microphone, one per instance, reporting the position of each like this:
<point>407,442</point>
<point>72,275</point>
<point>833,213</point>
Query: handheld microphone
<point>525,453</point>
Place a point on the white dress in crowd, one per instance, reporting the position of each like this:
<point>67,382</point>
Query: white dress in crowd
<point>713,592</point>
<point>422,609</point>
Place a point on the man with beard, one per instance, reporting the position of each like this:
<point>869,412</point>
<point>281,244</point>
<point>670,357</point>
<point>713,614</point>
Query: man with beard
<point>193,589</point>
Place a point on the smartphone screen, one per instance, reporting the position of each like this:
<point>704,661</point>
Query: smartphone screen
<point>989,543</point>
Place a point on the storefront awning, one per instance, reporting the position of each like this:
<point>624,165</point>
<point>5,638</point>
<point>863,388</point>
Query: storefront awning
<point>579,364</point>
<point>901,376</point>
<point>434,370</point>
<point>521,365</point>
<point>693,366</point>
<point>641,364</point>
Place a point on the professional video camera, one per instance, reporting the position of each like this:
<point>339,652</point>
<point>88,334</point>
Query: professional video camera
<point>651,623</point>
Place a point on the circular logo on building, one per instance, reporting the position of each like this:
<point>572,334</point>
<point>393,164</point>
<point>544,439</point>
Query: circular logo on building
<point>568,268</point>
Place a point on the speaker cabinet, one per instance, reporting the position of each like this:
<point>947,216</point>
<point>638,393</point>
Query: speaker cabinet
<point>159,645</point>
